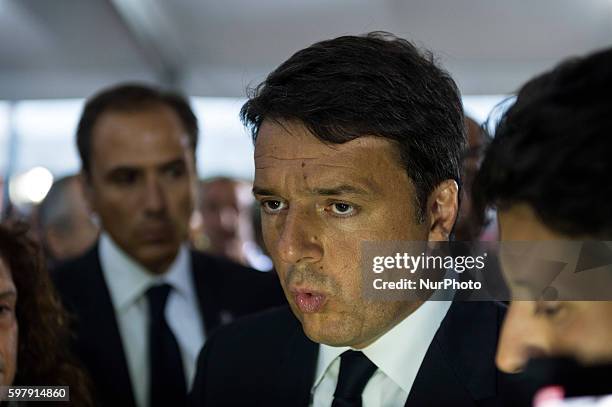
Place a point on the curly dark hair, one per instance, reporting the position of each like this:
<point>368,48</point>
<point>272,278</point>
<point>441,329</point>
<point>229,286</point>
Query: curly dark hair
<point>552,149</point>
<point>44,337</point>
<point>371,85</point>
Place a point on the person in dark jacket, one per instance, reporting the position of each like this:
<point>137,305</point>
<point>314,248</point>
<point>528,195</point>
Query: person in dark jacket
<point>357,139</point>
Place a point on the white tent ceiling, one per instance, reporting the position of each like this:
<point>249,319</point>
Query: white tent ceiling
<point>69,48</point>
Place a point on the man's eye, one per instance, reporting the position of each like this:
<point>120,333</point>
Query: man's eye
<point>124,177</point>
<point>548,309</point>
<point>273,206</point>
<point>5,310</point>
<point>342,209</point>
<point>176,171</point>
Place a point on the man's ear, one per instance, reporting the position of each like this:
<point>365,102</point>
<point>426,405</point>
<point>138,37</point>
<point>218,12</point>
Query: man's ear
<point>442,208</point>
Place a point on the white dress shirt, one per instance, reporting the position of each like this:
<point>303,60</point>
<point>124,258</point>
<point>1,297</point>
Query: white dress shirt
<point>128,282</point>
<point>398,354</point>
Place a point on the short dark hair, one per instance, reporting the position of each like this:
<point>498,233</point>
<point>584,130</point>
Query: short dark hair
<point>552,149</point>
<point>371,85</point>
<point>131,97</point>
<point>44,356</point>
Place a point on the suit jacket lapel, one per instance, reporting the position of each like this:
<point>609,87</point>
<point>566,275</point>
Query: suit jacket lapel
<point>209,308</point>
<point>436,383</point>
<point>99,334</point>
<point>459,368</point>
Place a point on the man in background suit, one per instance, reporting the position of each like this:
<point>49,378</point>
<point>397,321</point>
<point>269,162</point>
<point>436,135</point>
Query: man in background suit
<point>357,139</point>
<point>143,302</point>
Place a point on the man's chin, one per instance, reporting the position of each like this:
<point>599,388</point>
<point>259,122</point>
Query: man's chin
<point>157,258</point>
<point>327,338</point>
<point>325,329</point>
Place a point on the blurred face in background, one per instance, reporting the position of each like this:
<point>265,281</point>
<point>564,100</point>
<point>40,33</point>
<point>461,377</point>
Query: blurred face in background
<point>8,326</point>
<point>140,182</point>
<point>226,207</point>
<point>319,203</point>
<point>77,231</point>
<point>579,329</point>
<point>469,226</point>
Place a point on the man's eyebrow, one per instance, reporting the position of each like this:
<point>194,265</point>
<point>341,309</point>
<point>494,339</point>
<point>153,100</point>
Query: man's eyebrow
<point>172,163</point>
<point>123,167</point>
<point>340,190</point>
<point>263,191</point>
<point>333,191</point>
<point>529,286</point>
<point>121,170</point>
<point>133,167</point>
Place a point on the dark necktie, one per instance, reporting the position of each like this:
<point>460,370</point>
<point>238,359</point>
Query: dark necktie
<point>355,371</point>
<point>167,384</point>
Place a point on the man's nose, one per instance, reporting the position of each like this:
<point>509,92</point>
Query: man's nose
<point>154,197</point>
<point>298,240</point>
<point>522,338</point>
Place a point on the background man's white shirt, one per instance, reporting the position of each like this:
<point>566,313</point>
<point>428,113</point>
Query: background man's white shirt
<point>128,282</point>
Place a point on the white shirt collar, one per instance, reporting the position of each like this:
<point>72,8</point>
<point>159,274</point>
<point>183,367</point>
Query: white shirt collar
<point>409,341</point>
<point>127,280</point>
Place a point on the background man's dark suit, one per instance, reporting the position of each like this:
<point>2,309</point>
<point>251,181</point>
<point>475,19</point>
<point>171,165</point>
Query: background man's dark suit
<point>266,360</point>
<point>225,290</point>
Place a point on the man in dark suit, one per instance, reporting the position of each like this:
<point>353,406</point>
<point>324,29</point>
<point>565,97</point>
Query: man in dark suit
<point>142,301</point>
<point>357,139</point>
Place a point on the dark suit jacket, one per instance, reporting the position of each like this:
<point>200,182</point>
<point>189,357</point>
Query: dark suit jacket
<point>224,289</point>
<point>266,360</point>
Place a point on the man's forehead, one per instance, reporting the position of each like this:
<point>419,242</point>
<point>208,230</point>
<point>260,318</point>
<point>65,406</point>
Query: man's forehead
<point>289,157</point>
<point>138,130</point>
<point>138,157</point>
<point>137,139</point>
<point>291,144</point>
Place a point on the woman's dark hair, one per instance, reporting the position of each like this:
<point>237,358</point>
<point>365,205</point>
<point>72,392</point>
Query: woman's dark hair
<point>372,85</point>
<point>43,352</point>
<point>553,149</point>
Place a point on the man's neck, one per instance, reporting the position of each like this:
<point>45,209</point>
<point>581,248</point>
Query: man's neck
<point>411,307</point>
<point>156,268</point>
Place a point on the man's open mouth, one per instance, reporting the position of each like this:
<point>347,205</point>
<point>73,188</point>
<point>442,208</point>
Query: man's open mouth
<point>309,301</point>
